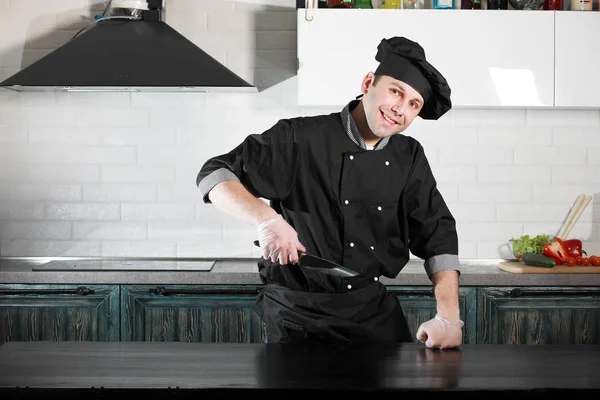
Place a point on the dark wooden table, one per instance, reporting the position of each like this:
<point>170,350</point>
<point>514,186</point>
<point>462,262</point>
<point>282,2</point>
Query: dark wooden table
<point>226,370</point>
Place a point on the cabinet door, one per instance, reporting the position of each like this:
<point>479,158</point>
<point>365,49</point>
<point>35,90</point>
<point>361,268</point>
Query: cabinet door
<point>490,59</point>
<point>539,315</point>
<point>577,59</point>
<point>190,313</point>
<point>59,312</point>
<point>419,305</point>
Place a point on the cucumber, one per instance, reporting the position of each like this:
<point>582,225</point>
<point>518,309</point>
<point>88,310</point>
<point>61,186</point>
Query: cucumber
<point>538,260</point>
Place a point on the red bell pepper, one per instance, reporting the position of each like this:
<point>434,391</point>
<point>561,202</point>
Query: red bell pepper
<point>573,248</point>
<point>556,251</point>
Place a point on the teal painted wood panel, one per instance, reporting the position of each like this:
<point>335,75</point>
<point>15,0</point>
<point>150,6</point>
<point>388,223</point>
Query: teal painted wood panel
<point>539,315</point>
<point>419,305</point>
<point>59,312</point>
<point>191,313</point>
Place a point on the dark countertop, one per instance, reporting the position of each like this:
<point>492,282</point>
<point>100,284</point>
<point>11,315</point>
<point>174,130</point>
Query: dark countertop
<point>242,270</point>
<point>237,368</point>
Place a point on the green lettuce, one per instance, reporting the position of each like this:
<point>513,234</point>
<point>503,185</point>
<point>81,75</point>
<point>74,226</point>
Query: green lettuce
<point>528,244</point>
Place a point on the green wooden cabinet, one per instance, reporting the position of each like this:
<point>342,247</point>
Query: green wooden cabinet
<point>419,305</point>
<point>59,312</point>
<point>225,313</point>
<point>539,315</point>
<point>190,313</point>
<point>209,313</point>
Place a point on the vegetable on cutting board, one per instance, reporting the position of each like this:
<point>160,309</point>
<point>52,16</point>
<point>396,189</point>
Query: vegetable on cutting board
<point>538,260</point>
<point>528,244</point>
<point>556,251</point>
<point>562,251</point>
<point>573,247</point>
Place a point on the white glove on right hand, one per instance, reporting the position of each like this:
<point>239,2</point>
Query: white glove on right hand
<point>279,241</point>
<point>440,333</point>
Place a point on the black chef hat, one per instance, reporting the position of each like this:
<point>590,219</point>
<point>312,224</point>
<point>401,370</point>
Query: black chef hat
<point>404,60</point>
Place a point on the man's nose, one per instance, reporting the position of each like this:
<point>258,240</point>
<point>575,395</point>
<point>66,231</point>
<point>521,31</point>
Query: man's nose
<point>398,108</point>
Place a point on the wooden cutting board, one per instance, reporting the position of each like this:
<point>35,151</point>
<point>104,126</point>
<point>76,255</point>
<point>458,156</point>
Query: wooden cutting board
<point>517,267</point>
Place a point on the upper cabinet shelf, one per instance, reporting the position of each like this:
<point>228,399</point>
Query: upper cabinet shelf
<point>493,58</point>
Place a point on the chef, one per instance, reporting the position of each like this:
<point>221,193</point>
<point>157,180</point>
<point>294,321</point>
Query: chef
<point>351,188</point>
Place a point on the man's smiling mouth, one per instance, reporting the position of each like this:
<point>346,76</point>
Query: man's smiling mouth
<point>391,121</point>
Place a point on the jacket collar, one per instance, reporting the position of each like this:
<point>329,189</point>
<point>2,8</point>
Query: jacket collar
<point>352,130</point>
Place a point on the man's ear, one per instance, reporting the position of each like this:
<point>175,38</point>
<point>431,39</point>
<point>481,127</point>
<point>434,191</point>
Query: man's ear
<point>367,82</point>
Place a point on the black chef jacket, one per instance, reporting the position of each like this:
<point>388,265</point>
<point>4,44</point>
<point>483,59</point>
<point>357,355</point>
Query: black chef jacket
<point>363,209</point>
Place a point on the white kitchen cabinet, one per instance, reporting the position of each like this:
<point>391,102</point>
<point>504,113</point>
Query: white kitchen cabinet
<point>577,59</point>
<point>498,58</point>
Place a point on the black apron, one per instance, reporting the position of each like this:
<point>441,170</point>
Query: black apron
<point>366,314</point>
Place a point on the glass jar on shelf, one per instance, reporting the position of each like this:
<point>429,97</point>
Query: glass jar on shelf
<point>340,3</point>
<point>413,4</point>
<point>443,4</point>
<point>498,5</point>
<point>470,5</point>
<point>362,4</point>
<point>582,5</point>
<point>553,5</point>
<point>391,4</point>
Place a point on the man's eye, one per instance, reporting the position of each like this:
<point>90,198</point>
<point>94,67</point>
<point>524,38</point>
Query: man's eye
<point>395,92</point>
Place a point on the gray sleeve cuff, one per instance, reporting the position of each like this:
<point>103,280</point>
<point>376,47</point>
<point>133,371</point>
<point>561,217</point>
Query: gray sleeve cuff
<point>442,262</point>
<point>214,178</point>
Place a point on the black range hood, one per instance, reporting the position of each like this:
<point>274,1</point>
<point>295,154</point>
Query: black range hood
<point>142,54</point>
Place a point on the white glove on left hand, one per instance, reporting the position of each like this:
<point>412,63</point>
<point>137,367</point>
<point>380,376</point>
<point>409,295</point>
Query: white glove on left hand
<point>279,241</point>
<point>440,333</point>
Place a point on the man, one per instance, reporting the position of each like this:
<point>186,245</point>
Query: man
<point>347,187</point>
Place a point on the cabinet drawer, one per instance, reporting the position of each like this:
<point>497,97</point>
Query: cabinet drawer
<point>539,315</point>
<point>191,313</point>
<point>59,312</point>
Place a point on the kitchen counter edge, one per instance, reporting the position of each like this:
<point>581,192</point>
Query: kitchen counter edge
<point>474,272</point>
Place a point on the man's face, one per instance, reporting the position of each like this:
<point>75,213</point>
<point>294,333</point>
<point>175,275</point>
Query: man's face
<point>390,104</point>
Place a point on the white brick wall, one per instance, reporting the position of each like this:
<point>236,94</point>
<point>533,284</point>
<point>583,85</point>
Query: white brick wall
<point>113,174</point>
